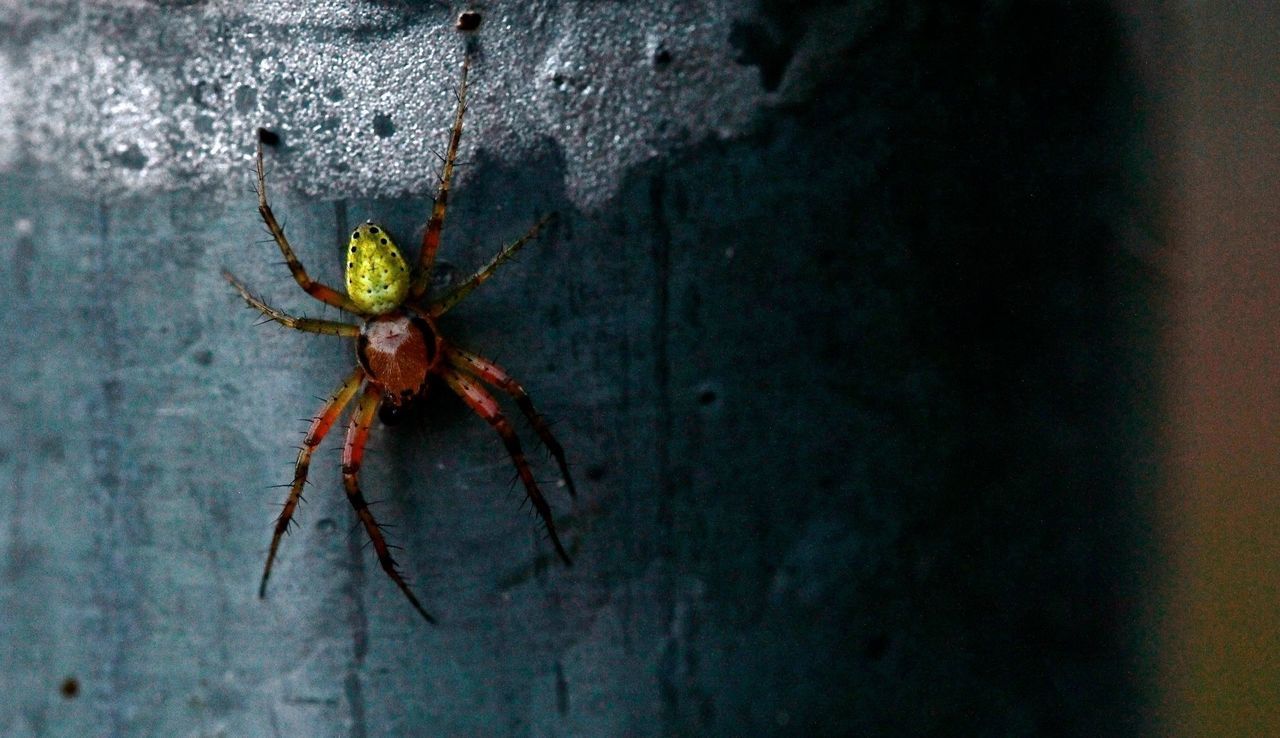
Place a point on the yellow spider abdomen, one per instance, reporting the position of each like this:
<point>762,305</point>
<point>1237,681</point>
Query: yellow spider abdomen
<point>377,276</point>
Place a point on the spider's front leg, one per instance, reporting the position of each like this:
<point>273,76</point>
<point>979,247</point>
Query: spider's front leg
<point>486,407</point>
<point>352,457</point>
<point>431,238</point>
<point>320,426</point>
<point>321,292</point>
<point>508,252</point>
<point>308,325</point>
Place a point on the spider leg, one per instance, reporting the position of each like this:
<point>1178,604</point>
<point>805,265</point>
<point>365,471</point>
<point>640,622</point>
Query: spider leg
<point>457,294</point>
<point>309,325</point>
<point>431,238</point>
<point>320,426</point>
<point>321,292</point>
<point>494,374</point>
<point>352,456</point>
<point>486,407</point>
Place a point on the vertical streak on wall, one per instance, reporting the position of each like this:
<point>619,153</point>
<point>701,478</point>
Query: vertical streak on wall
<point>359,621</point>
<point>111,585</point>
<point>1220,645</point>
<point>17,512</point>
<point>661,254</point>
<point>23,260</point>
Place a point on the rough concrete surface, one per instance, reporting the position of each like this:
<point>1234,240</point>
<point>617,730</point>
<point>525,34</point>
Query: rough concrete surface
<point>842,322</point>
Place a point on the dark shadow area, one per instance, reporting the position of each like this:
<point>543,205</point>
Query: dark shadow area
<point>902,360</point>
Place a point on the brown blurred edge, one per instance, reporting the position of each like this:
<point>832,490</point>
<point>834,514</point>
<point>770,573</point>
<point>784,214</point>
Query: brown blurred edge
<point>1212,75</point>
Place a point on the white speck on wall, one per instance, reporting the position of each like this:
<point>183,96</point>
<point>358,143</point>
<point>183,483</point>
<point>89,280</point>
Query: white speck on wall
<point>10,99</point>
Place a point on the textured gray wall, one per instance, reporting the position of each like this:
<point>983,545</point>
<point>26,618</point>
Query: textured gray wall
<point>840,323</point>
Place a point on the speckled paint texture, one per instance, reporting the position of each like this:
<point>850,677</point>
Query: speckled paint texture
<point>842,321</point>
<point>139,100</point>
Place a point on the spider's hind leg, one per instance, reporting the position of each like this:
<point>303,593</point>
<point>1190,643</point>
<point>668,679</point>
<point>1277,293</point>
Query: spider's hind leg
<point>352,457</point>
<point>486,407</point>
<point>495,375</point>
<point>320,426</point>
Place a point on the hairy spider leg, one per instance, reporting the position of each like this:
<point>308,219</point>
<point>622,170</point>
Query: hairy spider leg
<point>431,237</point>
<point>321,292</point>
<point>457,294</point>
<point>310,325</point>
<point>320,426</point>
<point>352,456</point>
<point>474,364</point>
<point>486,407</point>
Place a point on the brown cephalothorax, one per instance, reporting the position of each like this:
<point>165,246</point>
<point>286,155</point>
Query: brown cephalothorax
<point>398,352</point>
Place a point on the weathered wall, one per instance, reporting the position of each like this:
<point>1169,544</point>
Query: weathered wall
<point>845,361</point>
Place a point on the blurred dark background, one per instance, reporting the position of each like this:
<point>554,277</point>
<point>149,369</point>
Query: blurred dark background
<point>878,402</point>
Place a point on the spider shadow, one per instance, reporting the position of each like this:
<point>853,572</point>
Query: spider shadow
<point>410,465</point>
<point>413,470</point>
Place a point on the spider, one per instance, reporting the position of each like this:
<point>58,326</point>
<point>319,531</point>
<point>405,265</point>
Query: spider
<point>399,351</point>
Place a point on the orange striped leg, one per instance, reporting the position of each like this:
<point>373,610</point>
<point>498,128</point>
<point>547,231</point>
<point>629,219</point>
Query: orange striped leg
<point>486,407</point>
<point>320,426</point>
<point>493,374</point>
<point>310,325</point>
<point>321,292</point>
<point>457,294</point>
<point>352,456</point>
<point>431,238</point>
